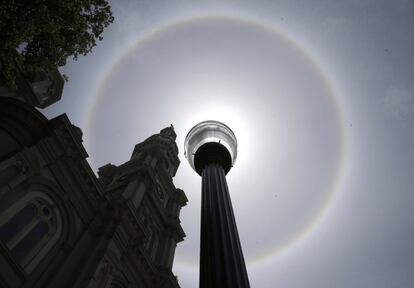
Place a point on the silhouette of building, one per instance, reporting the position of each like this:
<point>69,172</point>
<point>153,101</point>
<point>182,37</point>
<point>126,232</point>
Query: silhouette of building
<point>61,226</point>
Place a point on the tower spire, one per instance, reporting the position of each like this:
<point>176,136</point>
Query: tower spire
<point>169,132</point>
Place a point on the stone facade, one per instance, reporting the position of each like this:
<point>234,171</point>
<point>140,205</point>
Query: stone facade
<point>61,226</point>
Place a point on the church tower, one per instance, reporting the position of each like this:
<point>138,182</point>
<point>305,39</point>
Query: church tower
<point>151,206</point>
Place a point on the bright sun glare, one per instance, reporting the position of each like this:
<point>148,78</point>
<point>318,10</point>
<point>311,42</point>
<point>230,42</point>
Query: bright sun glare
<point>229,116</point>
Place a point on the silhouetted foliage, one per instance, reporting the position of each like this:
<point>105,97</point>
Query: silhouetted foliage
<point>42,34</point>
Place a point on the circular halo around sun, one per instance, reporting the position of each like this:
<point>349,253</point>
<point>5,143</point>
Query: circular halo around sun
<point>265,88</point>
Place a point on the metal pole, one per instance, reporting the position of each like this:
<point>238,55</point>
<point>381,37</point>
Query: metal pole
<point>221,258</point>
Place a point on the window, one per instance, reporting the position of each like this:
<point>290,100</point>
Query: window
<point>17,223</point>
<point>29,231</point>
<point>23,248</point>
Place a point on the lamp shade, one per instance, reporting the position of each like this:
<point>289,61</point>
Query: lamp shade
<point>210,142</point>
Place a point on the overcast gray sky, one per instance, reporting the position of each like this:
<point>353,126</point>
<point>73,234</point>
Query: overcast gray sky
<point>321,97</point>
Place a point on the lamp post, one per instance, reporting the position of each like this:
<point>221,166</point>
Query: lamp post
<point>211,150</point>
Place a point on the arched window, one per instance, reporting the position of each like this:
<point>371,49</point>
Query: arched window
<point>17,223</point>
<point>28,232</point>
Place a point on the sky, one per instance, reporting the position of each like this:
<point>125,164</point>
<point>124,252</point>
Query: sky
<point>320,95</point>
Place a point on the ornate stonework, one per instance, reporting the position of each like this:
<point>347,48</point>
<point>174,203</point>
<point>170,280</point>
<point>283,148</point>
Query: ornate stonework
<point>61,226</point>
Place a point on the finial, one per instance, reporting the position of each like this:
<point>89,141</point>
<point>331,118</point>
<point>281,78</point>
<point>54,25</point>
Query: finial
<point>169,131</point>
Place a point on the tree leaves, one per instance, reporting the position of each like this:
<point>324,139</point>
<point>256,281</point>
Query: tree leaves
<point>43,34</point>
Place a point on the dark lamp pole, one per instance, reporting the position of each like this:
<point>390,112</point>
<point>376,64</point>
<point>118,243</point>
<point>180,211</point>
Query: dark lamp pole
<point>211,150</point>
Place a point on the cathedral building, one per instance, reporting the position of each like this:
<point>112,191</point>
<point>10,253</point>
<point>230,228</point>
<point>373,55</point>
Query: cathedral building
<point>62,226</point>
